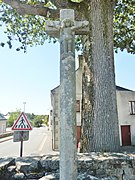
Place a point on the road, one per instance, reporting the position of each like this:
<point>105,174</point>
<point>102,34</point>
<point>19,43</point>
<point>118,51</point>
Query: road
<point>39,143</point>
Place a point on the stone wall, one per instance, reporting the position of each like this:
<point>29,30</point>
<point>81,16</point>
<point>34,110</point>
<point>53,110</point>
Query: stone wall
<point>93,166</point>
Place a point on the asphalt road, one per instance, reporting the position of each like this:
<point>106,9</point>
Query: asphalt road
<point>39,143</point>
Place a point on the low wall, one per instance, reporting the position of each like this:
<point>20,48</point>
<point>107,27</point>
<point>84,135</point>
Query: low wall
<point>93,166</point>
<point>6,134</point>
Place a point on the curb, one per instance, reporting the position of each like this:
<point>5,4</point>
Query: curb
<point>7,139</point>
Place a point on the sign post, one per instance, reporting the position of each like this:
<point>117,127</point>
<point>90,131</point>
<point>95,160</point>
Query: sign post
<point>21,148</point>
<point>21,129</point>
<point>66,29</point>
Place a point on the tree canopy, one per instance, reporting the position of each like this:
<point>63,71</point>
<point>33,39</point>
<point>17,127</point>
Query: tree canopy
<point>13,117</point>
<point>124,25</point>
<point>25,21</point>
<point>35,120</point>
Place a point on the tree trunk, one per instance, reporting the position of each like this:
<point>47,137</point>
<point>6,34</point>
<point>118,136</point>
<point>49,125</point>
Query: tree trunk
<point>99,111</point>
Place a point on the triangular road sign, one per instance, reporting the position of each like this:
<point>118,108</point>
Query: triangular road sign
<point>22,123</point>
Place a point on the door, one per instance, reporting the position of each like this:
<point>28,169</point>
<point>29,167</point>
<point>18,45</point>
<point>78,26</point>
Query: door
<point>78,134</point>
<point>126,135</point>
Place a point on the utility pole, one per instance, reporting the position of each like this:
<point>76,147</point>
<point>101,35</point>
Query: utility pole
<point>24,103</point>
<point>66,29</point>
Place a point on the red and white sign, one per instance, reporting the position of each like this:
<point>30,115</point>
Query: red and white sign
<point>22,123</point>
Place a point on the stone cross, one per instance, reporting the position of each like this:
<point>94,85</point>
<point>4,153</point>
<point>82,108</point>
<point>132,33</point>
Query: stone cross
<point>66,29</point>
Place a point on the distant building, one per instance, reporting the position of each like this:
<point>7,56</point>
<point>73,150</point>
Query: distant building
<point>8,115</point>
<point>3,124</point>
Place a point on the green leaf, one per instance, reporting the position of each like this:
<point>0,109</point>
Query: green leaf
<point>2,44</point>
<point>18,49</point>
<point>50,5</point>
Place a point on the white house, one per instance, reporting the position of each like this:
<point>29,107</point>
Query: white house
<point>126,115</point>
<point>125,108</point>
<point>3,123</point>
<point>54,117</point>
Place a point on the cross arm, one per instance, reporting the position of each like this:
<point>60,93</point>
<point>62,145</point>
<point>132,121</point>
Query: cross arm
<point>53,28</point>
<point>81,27</point>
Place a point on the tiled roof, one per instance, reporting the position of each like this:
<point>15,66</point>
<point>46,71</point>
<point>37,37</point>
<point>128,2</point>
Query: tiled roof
<point>122,89</point>
<point>2,117</point>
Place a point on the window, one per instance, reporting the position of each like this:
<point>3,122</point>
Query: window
<point>77,105</point>
<point>132,107</point>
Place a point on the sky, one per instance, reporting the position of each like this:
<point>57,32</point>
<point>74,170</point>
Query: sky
<point>29,77</point>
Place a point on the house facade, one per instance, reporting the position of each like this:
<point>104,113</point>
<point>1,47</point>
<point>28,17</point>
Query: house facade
<point>54,113</point>
<point>125,107</point>
<point>54,117</point>
<point>126,115</point>
<point>3,123</point>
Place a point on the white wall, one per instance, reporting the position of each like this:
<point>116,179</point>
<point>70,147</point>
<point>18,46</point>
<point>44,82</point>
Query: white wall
<point>3,126</point>
<point>79,94</point>
<point>124,117</point>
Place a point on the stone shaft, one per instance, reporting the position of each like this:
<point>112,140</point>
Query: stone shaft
<point>66,29</point>
<point>68,167</point>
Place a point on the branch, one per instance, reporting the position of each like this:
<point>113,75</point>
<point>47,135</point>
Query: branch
<point>66,4</point>
<point>38,9</point>
<point>61,4</point>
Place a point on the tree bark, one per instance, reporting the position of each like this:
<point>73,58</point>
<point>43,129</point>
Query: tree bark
<point>99,110</point>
